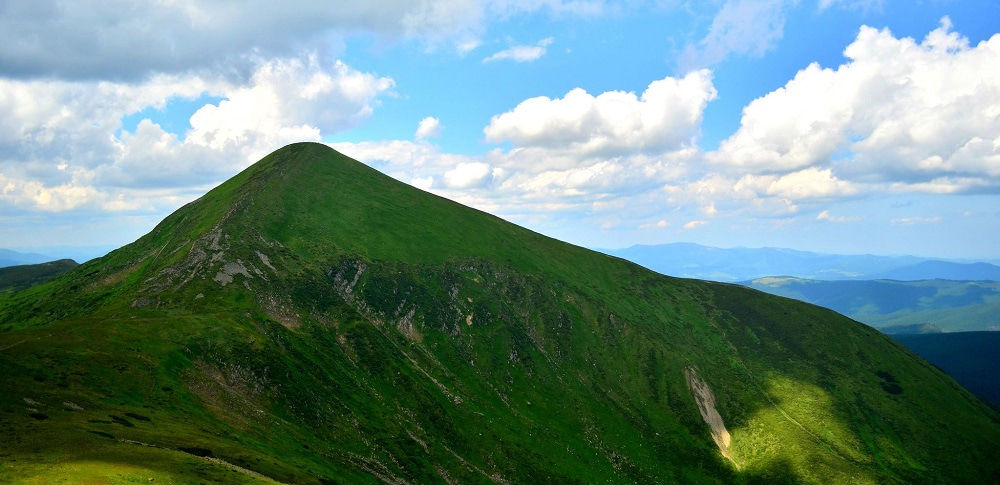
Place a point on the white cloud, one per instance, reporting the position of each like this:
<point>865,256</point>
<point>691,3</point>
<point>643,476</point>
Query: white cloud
<point>666,116</point>
<point>513,184</point>
<point>826,216</point>
<point>422,183</point>
<point>811,183</point>
<point>746,27</point>
<point>429,127</point>
<point>289,100</point>
<point>946,185</point>
<point>48,198</point>
<point>718,194</point>
<point>655,225</point>
<point>61,149</point>
<point>97,39</point>
<point>909,221</point>
<point>694,225</point>
<point>467,175</point>
<point>898,112</point>
<point>402,159</point>
<point>522,53</point>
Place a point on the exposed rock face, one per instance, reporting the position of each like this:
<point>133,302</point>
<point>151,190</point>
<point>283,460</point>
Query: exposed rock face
<point>706,405</point>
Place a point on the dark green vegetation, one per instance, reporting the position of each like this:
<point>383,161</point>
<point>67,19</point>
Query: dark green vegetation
<point>972,358</point>
<point>899,306</point>
<point>314,321</point>
<point>13,278</point>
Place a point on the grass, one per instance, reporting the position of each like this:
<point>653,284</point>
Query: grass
<point>378,333</point>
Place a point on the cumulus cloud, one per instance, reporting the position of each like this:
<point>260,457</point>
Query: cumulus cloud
<point>429,127</point>
<point>513,184</point>
<point>811,183</point>
<point>662,223</point>
<point>746,194</point>
<point>96,39</point>
<point>62,147</point>
<point>694,224</point>
<point>467,174</point>
<point>826,216</point>
<point>898,112</point>
<point>804,144</point>
<point>666,116</point>
<point>287,100</point>
<point>522,53</point>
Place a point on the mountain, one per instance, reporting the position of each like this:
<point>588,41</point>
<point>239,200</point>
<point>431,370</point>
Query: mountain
<point>314,321</point>
<point>14,278</point>
<point>899,306</point>
<point>76,253</point>
<point>9,257</point>
<point>972,358</point>
<point>944,270</point>
<point>741,264</point>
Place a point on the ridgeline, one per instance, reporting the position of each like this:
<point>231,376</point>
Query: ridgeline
<point>314,321</point>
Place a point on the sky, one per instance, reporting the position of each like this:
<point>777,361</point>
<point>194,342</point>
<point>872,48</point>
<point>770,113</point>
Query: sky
<point>838,126</point>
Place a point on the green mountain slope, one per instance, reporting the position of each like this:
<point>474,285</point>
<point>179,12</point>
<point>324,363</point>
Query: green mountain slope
<point>313,321</point>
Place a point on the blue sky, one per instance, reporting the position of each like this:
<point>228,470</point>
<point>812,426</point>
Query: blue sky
<point>844,126</point>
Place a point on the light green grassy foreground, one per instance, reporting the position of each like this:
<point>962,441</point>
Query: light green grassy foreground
<point>313,321</point>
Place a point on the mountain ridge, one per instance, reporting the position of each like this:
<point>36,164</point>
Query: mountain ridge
<point>9,257</point>
<point>692,260</point>
<point>313,321</point>
<point>947,305</point>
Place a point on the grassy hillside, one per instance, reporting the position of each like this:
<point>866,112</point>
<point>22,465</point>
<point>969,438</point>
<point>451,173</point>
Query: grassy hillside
<point>954,306</point>
<point>313,321</point>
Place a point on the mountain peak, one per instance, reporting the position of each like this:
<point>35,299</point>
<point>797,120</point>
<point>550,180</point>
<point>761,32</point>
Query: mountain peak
<point>312,320</point>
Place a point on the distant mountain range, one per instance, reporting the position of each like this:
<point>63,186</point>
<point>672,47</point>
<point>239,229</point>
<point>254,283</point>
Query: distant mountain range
<point>688,260</point>
<point>899,307</point>
<point>44,254</point>
<point>14,258</point>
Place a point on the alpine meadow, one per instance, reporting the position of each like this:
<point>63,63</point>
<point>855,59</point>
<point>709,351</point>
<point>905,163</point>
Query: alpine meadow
<point>312,320</point>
